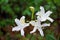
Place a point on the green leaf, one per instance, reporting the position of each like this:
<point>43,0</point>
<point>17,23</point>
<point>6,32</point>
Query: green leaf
<point>28,36</point>
<point>38,2</point>
<point>3,1</point>
<point>33,37</point>
<point>18,35</point>
<point>57,2</point>
<point>27,12</point>
<point>40,37</point>
<point>16,8</point>
<point>50,37</point>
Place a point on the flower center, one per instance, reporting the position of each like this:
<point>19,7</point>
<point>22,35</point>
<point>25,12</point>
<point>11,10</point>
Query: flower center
<point>22,21</point>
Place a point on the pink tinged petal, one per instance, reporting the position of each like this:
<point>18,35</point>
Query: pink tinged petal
<point>48,13</point>
<point>22,32</point>
<point>17,28</point>
<point>45,24</point>
<point>17,21</point>
<point>33,30</point>
<point>50,19</point>
<point>41,32</point>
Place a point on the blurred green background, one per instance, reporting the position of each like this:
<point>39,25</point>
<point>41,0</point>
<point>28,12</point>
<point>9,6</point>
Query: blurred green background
<point>11,9</point>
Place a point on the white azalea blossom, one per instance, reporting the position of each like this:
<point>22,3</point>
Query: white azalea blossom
<point>20,25</point>
<point>37,25</point>
<point>44,16</point>
<point>41,16</point>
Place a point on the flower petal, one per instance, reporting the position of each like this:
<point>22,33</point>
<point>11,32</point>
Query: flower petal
<point>26,24</point>
<point>17,21</point>
<point>45,24</point>
<point>22,32</point>
<point>38,18</point>
<point>32,23</point>
<point>43,18</point>
<point>41,31</point>
<point>17,28</point>
<point>33,30</point>
<point>50,19</point>
<point>48,13</point>
<point>42,10</point>
<point>22,19</point>
<point>38,13</point>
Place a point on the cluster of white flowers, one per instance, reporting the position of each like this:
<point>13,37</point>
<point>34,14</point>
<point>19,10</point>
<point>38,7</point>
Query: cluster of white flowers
<point>41,16</point>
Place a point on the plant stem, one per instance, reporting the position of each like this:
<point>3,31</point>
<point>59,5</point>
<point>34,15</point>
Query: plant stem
<point>32,15</point>
<point>32,10</point>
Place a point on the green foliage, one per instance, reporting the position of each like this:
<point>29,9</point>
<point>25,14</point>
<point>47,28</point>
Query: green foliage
<point>40,38</point>
<point>16,8</point>
<point>3,1</point>
<point>28,36</point>
<point>50,37</point>
<point>18,35</point>
<point>21,7</point>
<point>57,2</point>
<point>8,36</point>
<point>6,22</point>
<point>27,12</point>
<point>33,38</point>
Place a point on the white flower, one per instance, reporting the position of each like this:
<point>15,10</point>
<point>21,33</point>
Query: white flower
<point>44,16</point>
<point>20,25</point>
<point>37,25</point>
